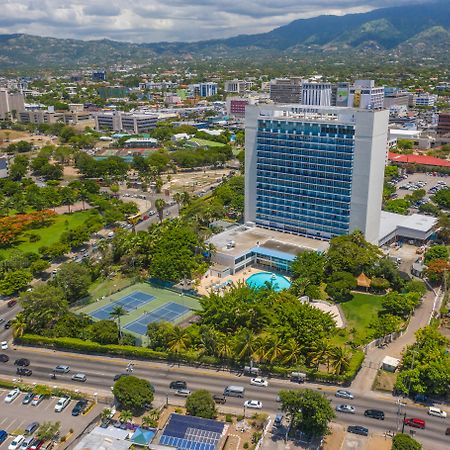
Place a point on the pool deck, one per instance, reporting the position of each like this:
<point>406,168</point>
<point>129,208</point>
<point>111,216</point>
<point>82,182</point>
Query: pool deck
<point>208,282</point>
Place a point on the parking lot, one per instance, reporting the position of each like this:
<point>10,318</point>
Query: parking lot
<point>15,417</point>
<point>427,180</point>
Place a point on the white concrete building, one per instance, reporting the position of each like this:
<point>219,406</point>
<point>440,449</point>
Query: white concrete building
<point>316,94</point>
<point>11,104</point>
<point>129,122</point>
<point>364,94</point>
<point>316,172</point>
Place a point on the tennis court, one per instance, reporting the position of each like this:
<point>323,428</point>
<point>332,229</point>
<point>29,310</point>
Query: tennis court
<point>169,312</point>
<point>130,302</point>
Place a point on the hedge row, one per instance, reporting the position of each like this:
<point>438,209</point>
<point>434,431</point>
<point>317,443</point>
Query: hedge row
<point>186,357</point>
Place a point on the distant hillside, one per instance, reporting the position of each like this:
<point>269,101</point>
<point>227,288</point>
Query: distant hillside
<point>419,30</point>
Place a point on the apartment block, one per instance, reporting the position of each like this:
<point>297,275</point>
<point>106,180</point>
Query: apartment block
<point>237,86</point>
<point>286,90</point>
<point>11,104</point>
<point>315,172</point>
<point>129,122</point>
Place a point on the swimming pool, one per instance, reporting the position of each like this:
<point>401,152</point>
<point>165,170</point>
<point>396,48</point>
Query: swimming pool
<point>260,280</point>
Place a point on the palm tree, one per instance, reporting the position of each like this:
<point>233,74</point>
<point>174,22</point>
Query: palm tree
<point>19,326</point>
<point>160,204</point>
<point>178,340</point>
<point>320,353</point>
<point>106,413</point>
<point>126,416</point>
<point>247,344</point>
<point>273,349</point>
<point>117,312</point>
<point>149,422</point>
<point>339,359</point>
<point>224,347</point>
<point>292,353</point>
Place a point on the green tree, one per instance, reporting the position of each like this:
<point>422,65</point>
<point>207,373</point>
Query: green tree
<point>385,324</point>
<point>19,326</point>
<point>308,410</point>
<point>104,332</point>
<point>436,252</point>
<point>339,360</point>
<point>133,393</point>
<point>125,416</point>
<point>178,340</point>
<point>401,305</point>
<point>340,285</point>
<point>442,198</point>
<point>48,431</point>
<point>201,404</point>
<point>309,265</point>
<point>160,204</point>
<point>398,206</point>
<point>15,281</point>
<point>403,441</point>
<point>117,312</point>
<point>74,279</point>
<point>43,307</point>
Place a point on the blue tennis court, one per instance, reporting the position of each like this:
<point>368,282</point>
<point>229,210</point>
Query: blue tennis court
<point>169,312</point>
<point>130,302</point>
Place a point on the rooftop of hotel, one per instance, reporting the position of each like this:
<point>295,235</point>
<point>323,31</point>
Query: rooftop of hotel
<point>390,222</point>
<point>243,238</point>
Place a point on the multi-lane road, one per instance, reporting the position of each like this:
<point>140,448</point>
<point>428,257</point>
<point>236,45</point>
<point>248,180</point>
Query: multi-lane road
<point>100,371</point>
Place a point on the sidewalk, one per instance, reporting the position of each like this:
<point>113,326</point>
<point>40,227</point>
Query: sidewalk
<point>366,376</point>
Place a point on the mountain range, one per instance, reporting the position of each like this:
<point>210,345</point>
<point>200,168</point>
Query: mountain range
<point>421,30</point>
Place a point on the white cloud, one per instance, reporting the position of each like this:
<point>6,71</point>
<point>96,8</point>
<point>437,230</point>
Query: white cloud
<point>166,20</point>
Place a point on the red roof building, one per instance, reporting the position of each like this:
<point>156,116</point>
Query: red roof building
<point>418,159</point>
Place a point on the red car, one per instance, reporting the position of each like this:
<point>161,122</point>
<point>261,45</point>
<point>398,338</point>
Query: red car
<point>11,303</point>
<point>416,423</point>
<point>447,431</point>
<point>36,444</point>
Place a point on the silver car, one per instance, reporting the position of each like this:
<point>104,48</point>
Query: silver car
<point>344,394</point>
<point>79,377</point>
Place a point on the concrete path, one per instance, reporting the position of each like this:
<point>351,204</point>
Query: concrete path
<point>366,376</point>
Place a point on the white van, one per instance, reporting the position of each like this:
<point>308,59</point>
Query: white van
<point>234,391</point>
<point>433,411</point>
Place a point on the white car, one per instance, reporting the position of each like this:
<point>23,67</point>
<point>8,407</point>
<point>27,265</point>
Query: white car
<point>12,395</point>
<point>183,392</point>
<point>16,443</point>
<point>62,403</point>
<point>433,411</point>
<point>4,345</point>
<point>346,409</point>
<point>253,404</point>
<point>344,394</point>
<point>259,382</point>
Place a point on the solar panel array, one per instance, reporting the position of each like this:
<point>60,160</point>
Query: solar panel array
<point>169,313</point>
<point>192,433</point>
<point>129,302</point>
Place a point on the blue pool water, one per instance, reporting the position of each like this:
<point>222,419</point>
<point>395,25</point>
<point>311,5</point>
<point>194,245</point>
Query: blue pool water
<point>259,280</point>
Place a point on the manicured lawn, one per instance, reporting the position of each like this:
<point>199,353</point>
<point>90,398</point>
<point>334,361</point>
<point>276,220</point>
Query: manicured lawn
<point>205,142</point>
<point>359,312</point>
<point>50,235</point>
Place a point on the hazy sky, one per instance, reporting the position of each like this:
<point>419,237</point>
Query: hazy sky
<point>166,20</point>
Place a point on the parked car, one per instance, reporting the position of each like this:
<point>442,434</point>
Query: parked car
<point>349,409</point>
<point>4,358</point>
<point>61,369</point>
<point>32,427</point>
<point>16,442</point>
<point>3,436</point>
<point>344,394</point>
<point>27,399</point>
<point>437,412</point>
<point>258,381</point>
<point>253,404</point>
<point>36,444</point>
<point>24,371</point>
<point>358,429</point>
<point>178,385</point>
<point>26,443</point>
<point>414,422</point>
<point>62,403</point>
<point>22,362</point>
<point>221,399</point>
<point>4,345</point>
<point>79,407</point>
<point>37,399</point>
<point>278,420</point>
<point>183,392</point>
<point>374,414</point>
<point>12,395</point>
<point>79,377</point>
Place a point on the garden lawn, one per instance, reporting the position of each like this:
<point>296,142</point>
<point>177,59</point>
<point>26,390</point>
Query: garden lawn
<point>359,312</point>
<point>51,234</point>
<point>204,142</point>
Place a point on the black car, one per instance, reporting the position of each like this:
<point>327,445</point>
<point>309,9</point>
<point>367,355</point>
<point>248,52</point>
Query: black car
<point>374,414</point>
<point>178,385</point>
<point>358,429</point>
<point>4,358</point>
<point>79,407</point>
<point>22,362</point>
<point>120,375</point>
<point>8,324</point>
<point>24,371</point>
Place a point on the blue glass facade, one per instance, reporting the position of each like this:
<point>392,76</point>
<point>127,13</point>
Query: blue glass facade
<point>304,177</point>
